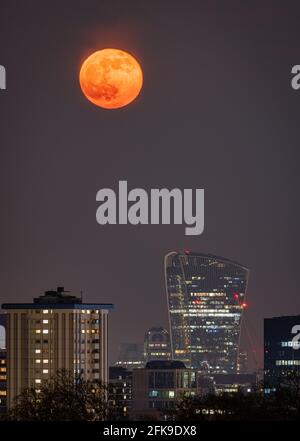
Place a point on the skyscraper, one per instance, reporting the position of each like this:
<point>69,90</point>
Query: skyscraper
<point>157,344</point>
<point>56,331</point>
<point>206,298</point>
<point>281,350</point>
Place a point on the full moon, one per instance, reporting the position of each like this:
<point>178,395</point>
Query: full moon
<point>111,78</point>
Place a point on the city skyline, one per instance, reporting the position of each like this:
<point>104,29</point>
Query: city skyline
<point>216,111</point>
<point>244,335</point>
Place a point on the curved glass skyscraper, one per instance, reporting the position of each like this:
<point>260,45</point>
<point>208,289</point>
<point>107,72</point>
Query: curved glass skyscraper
<point>206,298</point>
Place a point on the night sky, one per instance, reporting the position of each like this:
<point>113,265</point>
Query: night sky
<point>216,111</point>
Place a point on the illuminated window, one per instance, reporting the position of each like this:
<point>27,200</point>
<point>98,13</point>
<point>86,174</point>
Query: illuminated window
<point>45,361</point>
<point>45,331</point>
<point>45,371</point>
<point>45,321</point>
<point>37,351</point>
<point>37,331</point>
<point>45,311</point>
<point>38,360</point>
<point>38,380</point>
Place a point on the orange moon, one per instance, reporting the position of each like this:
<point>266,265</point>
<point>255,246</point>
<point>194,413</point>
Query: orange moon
<point>111,78</point>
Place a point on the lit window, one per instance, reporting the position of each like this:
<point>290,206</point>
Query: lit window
<point>45,371</point>
<point>38,391</point>
<point>45,321</point>
<point>37,351</point>
<point>45,361</point>
<point>37,331</point>
<point>82,331</point>
<point>45,331</point>
<point>45,311</point>
<point>38,360</point>
<point>38,380</point>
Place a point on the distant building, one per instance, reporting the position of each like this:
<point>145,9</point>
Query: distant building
<point>157,388</point>
<point>3,381</point>
<point>242,367</point>
<point>281,350</point>
<point>120,392</point>
<point>131,355</point>
<point>56,331</point>
<point>206,298</point>
<point>3,322</point>
<point>232,383</point>
<point>205,385</point>
<point>157,344</point>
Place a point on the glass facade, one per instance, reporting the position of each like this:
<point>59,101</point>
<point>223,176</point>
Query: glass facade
<point>206,298</point>
<point>157,344</point>
<point>281,351</point>
<point>160,385</point>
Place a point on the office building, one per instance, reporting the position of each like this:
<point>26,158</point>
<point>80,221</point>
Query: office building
<point>131,355</point>
<point>233,383</point>
<point>157,387</point>
<point>157,344</point>
<point>206,298</point>
<point>242,367</point>
<point>281,350</point>
<point>56,331</point>
<point>120,392</point>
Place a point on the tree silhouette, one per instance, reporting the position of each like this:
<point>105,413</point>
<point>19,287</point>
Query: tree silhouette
<point>64,397</point>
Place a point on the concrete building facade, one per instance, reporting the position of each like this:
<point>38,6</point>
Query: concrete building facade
<point>57,331</point>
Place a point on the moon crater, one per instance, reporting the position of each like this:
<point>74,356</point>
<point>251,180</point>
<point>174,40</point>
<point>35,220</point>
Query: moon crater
<point>111,78</point>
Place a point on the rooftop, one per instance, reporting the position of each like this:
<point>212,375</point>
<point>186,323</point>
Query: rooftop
<point>207,256</point>
<point>165,364</point>
<point>59,299</point>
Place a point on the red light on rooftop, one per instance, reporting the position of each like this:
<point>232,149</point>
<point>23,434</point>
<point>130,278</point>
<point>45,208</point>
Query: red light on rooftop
<point>187,252</point>
<point>245,305</point>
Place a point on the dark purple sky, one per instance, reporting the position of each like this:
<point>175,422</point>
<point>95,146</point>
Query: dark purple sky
<point>216,112</point>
